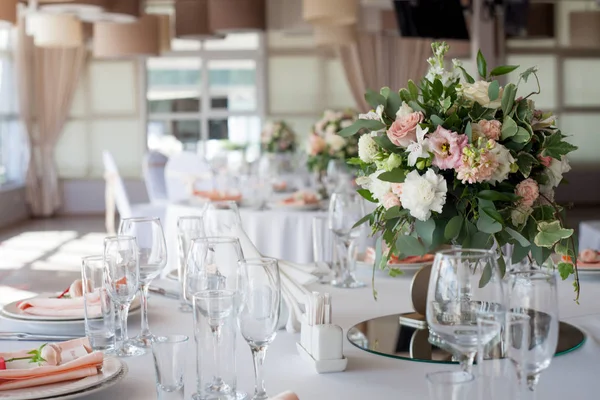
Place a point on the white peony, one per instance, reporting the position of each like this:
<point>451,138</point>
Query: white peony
<point>367,148</point>
<point>520,214</point>
<point>556,170</point>
<point>478,92</point>
<point>335,142</point>
<point>404,110</point>
<point>376,186</point>
<point>505,159</point>
<point>423,194</point>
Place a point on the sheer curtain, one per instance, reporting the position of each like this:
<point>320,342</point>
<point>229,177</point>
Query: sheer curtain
<point>47,79</point>
<point>376,60</point>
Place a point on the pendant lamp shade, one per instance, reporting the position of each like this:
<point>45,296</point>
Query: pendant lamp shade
<point>227,16</point>
<point>56,30</point>
<point>118,11</point>
<point>585,28</point>
<point>74,6</point>
<point>140,38</point>
<point>332,12</point>
<point>334,35</point>
<point>191,20</point>
<point>8,12</point>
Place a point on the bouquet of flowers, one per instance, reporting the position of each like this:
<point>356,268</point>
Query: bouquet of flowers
<point>467,163</point>
<point>278,137</point>
<point>324,144</point>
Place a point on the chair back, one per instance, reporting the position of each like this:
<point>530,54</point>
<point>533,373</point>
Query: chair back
<point>154,176</point>
<point>185,172</point>
<point>117,187</point>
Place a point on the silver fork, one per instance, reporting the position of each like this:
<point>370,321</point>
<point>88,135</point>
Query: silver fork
<point>35,337</point>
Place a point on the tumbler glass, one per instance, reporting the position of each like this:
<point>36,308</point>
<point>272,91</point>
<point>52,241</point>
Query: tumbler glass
<point>449,385</point>
<point>169,354</point>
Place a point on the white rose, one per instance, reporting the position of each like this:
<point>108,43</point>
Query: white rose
<point>556,170</point>
<point>505,159</point>
<point>478,92</point>
<point>334,141</point>
<point>520,214</point>
<point>367,149</point>
<point>404,110</point>
<point>423,194</point>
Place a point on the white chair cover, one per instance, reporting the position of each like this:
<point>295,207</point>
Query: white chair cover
<point>154,176</point>
<point>184,172</point>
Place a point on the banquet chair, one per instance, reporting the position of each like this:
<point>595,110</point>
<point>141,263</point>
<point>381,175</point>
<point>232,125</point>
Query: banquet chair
<point>154,176</point>
<point>185,172</point>
<point>116,195</point>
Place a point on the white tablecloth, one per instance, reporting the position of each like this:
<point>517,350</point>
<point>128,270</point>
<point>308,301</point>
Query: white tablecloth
<point>589,235</point>
<point>571,376</point>
<point>283,234</point>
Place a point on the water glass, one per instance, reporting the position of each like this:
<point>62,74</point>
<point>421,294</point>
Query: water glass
<point>99,310</point>
<point>449,385</point>
<point>169,353</point>
<point>534,292</point>
<point>221,218</point>
<point>188,228</point>
<point>122,283</point>
<point>152,248</point>
<point>498,375</point>
<point>323,246</point>
<point>215,331</point>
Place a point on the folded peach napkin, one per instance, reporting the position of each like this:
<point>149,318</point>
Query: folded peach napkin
<point>71,306</point>
<point>65,361</point>
<point>218,195</point>
<point>300,198</point>
<point>586,258</point>
<point>285,396</point>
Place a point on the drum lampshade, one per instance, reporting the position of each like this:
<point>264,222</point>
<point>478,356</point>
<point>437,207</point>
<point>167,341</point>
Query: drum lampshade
<point>227,16</point>
<point>55,30</point>
<point>191,20</point>
<point>139,38</point>
<point>74,6</point>
<point>8,12</point>
<point>333,12</point>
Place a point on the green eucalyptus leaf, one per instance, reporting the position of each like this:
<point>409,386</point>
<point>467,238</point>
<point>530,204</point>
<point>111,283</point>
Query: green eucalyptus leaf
<point>487,224</point>
<point>416,107</point>
<point>518,237</point>
<point>469,131</point>
<point>540,254</point>
<point>374,99</point>
<point>438,88</point>
<point>361,221</point>
<point>508,98</point>
<point>393,105</point>
<point>392,212</point>
<point>467,76</point>
<point>368,124</point>
<point>501,265</point>
<point>482,240</point>
<point>486,275</point>
<point>425,230</point>
<point>519,253</point>
<point>413,90</point>
<point>495,215</point>
<point>503,70</point>
<point>385,143</point>
<point>446,104</point>
<point>435,120</point>
<point>522,136</point>
<point>494,90</point>
<point>367,195</point>
<point>405,95</point>
<point>509,128</point>
<point>453,227</point>
<point>410,246</point>
<point>385,91</point>
<point>549,233</point>
<point>481,65</point>
<point>396,176</point>
<point>493,195</point>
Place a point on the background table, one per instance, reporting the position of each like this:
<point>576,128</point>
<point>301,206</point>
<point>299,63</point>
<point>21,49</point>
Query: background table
<point>589,235</point>
<point>572,376</point>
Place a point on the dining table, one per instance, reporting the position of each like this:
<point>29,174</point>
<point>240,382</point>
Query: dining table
<point>368,376</point>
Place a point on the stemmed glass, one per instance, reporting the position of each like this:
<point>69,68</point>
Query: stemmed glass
<point>188,228</point>
<point>221,218</point>
<point>336,169</point>
<point>152,249</point>
<point>345,208</point>
<point>122,283</point>
<point>534,293</point>
<point>259,314</point>
<point>464,284</point>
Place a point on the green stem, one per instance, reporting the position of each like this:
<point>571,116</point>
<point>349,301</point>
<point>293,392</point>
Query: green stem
<point>18,358</point>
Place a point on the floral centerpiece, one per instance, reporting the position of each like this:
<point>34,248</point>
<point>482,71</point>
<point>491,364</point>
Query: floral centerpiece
<point>324,144</point>
<point>468,163</point>
<point>278,137</point>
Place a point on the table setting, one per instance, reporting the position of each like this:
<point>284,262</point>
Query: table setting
<point>442,271</point>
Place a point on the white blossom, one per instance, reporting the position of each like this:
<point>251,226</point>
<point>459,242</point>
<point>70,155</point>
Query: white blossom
<point>420,148</point>
<point>404,110</point>
<point>367,148</point>
<point>505,159</point>
<point>376,186</point>
<point>423,194</point>
<point>556,170</point>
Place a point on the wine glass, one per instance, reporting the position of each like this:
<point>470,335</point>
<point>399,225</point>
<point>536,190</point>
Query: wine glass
<point>121,260</point>
<point>259,314</point>
<point>221,218</point>
<point>152,249</point>
<point>534,292</point>
<point>464,284</point>
<point>336,170</point>
<point>188,228</point>
<point>212,264</point>
<point>345,208</point>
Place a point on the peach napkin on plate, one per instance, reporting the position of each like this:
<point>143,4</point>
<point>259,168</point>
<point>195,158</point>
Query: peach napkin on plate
<point>64,361</point>
<point>219,195</point>
<point>285,396</point>
<point>63,306</point>
<point>300,198</point>
<point>586,258</point>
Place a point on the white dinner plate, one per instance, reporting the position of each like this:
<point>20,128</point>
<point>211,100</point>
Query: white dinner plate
<point>173,275</point>
<point>303,207</point>
<point>12,311</point>
<point>113,370</point>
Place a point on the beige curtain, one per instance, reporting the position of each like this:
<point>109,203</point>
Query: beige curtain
<point>47,79</point>
<point>376,60</point>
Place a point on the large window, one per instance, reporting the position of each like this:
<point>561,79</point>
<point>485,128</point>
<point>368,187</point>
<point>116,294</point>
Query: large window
<point>209,93</point>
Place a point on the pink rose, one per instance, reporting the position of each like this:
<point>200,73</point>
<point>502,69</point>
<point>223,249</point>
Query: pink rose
<point>529,191</point>
<point>404,129</point>
<point>390,200</point>
<point>397,189</point>
<point>317,144</point>
<point>490,129</point>
<point>588,255</point>
<point>447,147</point>
<point>546,161</point>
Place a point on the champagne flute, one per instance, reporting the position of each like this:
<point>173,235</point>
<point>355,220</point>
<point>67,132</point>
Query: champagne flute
<point>152,249</point>
<point>534,292</point>
<point>122,283</point>
<point>345,209</point>
<point>221,218</point>
<point>188,228</point>
<point>259,314</point>
<point>464,284</point>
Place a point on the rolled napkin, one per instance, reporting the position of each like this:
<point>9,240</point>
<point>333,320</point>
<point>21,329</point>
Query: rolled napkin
<point>51,363</point>
<point>285,396</point>
<point>63,305</point>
